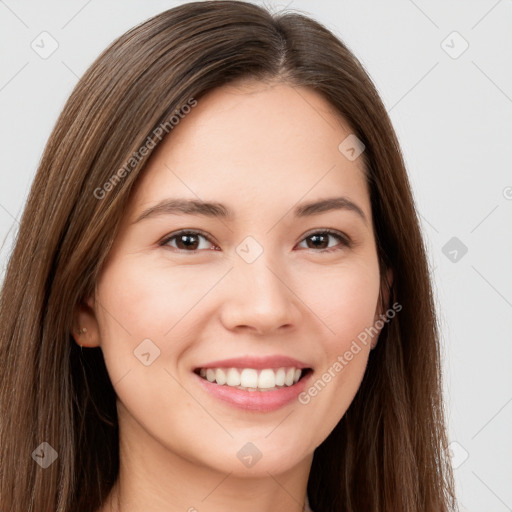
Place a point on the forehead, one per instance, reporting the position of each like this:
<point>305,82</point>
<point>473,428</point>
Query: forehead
<point>255,144</point>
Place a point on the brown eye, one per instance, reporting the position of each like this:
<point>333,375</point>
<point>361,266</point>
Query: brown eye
<point>321,239</point>
<point>187,241</point>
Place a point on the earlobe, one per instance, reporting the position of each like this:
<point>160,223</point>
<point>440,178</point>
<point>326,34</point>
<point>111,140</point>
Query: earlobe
<point>389,287</point>
<point>386,291</point>
<point>85,326</point>
<point>385,298</point>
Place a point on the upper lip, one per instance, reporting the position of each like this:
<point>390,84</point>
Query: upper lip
<point>277,361</point>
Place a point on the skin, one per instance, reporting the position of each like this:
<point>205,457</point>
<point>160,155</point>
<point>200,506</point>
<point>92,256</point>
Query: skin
<point>178,444</point>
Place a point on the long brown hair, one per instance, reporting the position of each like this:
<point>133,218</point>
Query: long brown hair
<point>389,451</point>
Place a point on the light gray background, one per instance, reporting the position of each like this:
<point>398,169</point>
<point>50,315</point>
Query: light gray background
<point>453,117</point>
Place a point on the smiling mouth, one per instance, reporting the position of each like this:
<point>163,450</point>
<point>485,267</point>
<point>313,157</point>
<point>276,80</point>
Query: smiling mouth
<point>252,379</point>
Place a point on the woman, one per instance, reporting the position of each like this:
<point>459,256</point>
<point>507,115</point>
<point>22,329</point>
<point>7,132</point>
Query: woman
<point>219,295</point>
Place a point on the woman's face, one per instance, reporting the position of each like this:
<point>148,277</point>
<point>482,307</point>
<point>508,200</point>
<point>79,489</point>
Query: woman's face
<point>265,281</point>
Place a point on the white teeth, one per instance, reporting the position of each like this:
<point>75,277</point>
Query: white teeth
<point>267,379</point>
<point>251,379</point>
<point>280,375</point>
<point>233,377</point>
<point>290,374</point>
<point>220,376</point>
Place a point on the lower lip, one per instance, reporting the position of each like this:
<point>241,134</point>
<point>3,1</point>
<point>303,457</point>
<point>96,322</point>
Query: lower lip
<point>259,401</point>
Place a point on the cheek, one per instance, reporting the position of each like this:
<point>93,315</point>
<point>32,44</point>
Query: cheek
<point>346,301</point>
<point>142,301</point>
<point>148,300</point>
<point>129,312</point>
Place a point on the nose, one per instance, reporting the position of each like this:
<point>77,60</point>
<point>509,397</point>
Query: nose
<point>259,297</point>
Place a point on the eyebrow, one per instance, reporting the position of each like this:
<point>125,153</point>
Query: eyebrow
<point>177,206</point>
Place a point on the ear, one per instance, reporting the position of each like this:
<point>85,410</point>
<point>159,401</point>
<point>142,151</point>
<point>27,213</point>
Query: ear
<point>85,318</point>
<point>387,290</point>
<point>384,301</point>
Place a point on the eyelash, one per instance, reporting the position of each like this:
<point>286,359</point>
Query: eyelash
<point>346,242</point>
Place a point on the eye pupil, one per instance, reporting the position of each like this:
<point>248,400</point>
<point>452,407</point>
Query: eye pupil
<point>317,238</point>
<point>188,244</point>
